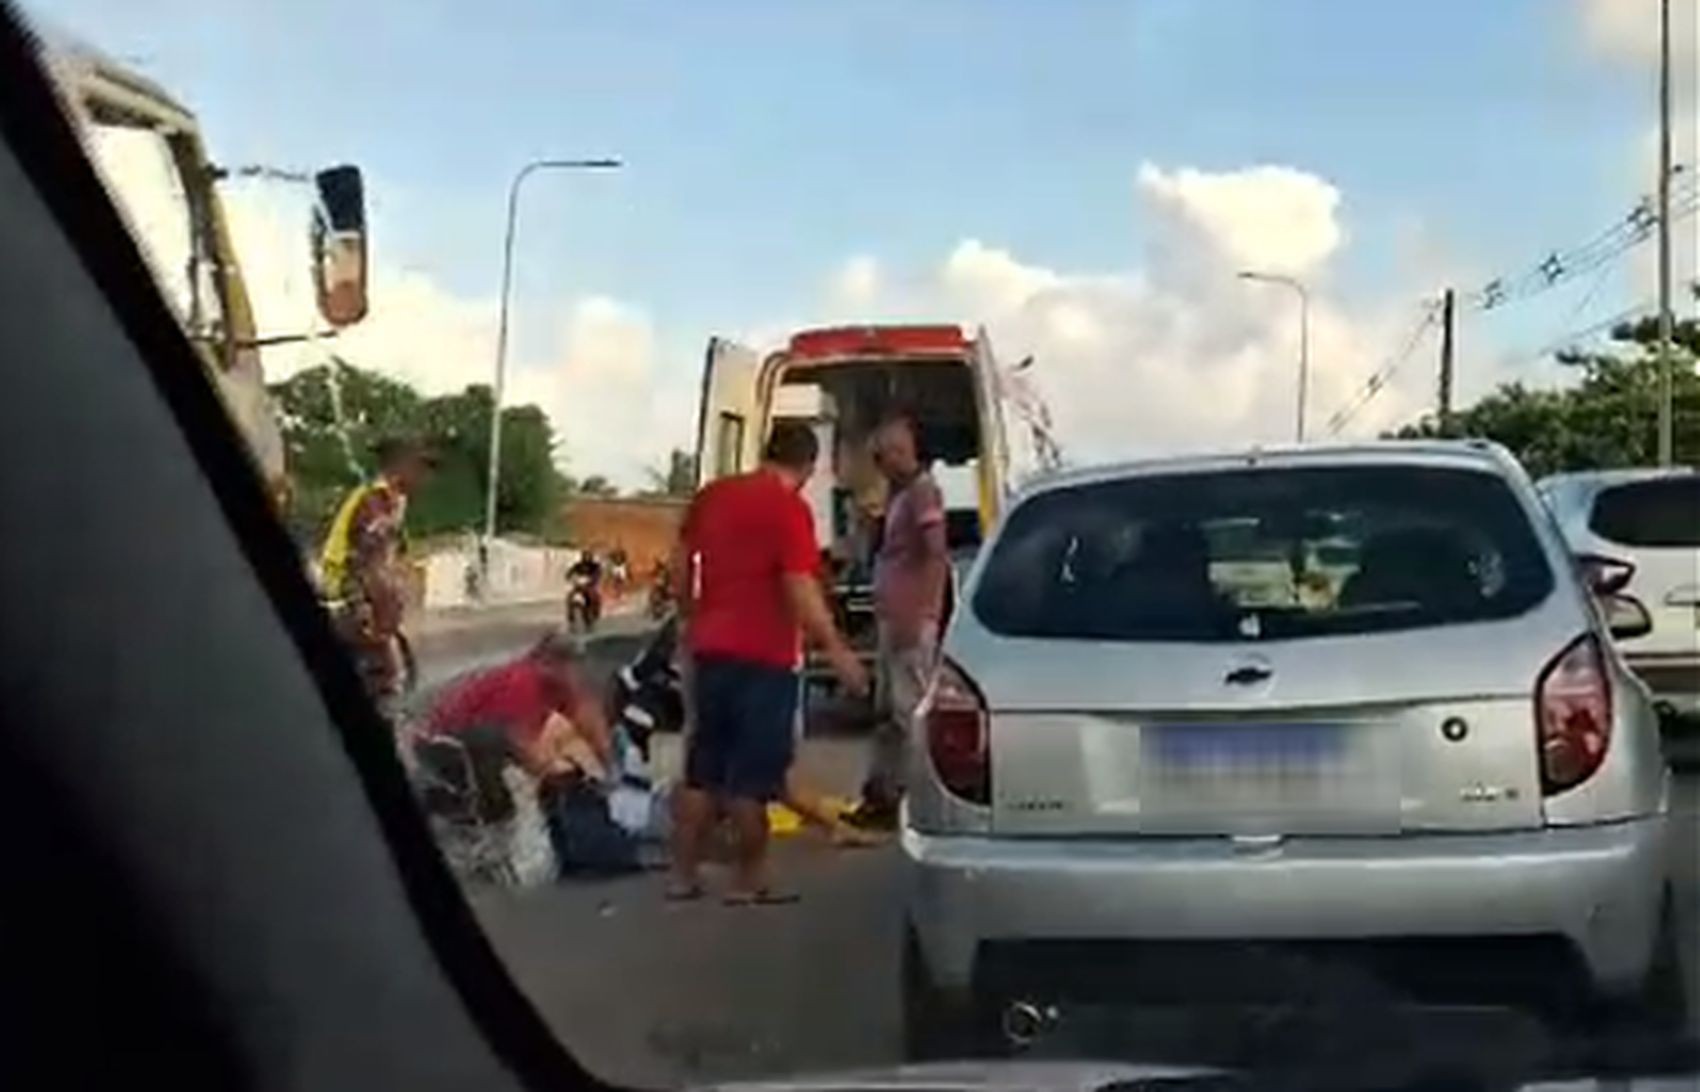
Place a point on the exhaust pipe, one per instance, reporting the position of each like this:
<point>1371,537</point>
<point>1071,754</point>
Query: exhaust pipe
<point>1025,1022</point>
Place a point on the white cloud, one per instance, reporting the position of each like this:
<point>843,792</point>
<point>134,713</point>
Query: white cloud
<point>1177,354</point>
<point>1627,31</point>
<point>993,277</point>
<point>1268,217</point>
<point>602,391</point>
<point>857,283</point>
<point>1173,352</point>
<point>1621,29</point>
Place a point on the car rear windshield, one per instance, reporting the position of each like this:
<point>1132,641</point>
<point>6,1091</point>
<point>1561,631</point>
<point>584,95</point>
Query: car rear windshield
<point>1652,513</point>
<point>1269,553</point>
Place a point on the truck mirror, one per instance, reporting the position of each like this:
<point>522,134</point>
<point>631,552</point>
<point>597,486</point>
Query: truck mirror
<point>339,245</point>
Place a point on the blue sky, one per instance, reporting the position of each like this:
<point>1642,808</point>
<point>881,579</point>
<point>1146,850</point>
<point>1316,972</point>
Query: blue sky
<point>769,142</point>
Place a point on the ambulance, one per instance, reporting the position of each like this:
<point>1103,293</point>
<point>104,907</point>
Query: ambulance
<point>983,428</point>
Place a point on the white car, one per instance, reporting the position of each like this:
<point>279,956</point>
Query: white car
<point>1165,760</point>
<point>1649,519</point>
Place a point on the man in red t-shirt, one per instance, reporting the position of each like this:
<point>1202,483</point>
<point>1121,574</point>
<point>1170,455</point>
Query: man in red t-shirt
<point>533,712</point>
<point>747,588</point>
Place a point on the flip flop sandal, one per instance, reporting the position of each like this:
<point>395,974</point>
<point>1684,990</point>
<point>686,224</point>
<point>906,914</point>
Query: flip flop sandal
<point>765,897</point>
<point>682,892</point>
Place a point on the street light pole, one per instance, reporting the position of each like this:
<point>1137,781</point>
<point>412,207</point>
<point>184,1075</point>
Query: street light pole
<point>1304,336</point>
<point>494,476</point>
<point>1666,440</point>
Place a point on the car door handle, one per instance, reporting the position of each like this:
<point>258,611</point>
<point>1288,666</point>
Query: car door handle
<point>1245,676</point>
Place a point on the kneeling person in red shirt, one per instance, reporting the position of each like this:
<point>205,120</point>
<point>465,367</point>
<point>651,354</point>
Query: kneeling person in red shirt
<point>746,586</point>
<point>533,712</point>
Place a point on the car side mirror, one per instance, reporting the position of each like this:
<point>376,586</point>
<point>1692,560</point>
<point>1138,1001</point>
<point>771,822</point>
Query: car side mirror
<point>339,245</point>
<point>1605,576</point>
<point>1626,616</point>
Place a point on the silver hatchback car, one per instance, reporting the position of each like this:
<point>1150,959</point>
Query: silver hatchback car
<point>1206,725</point>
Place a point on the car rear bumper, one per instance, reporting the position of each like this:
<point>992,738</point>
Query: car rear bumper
<point>1590,895</point>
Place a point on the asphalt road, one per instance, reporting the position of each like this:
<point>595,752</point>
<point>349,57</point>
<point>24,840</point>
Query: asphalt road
<point>654,994</point>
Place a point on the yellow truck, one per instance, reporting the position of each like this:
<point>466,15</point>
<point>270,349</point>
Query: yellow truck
<point>149,151</point>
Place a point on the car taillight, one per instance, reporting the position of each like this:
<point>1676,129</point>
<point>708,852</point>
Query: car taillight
<point>1573,715</point>
<point>958,736</point>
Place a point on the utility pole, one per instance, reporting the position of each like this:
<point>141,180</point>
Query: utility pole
<point>1448,319</point>
<point>1667,437</point>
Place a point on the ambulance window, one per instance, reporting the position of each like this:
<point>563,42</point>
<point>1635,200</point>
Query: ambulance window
<point>728,444</point>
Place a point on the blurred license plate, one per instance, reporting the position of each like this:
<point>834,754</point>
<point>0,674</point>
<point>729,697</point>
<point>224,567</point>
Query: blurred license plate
<point>1242,746</point>
<point>1270,776</point>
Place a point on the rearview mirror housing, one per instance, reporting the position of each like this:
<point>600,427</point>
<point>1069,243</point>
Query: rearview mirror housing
<point>339,245</point>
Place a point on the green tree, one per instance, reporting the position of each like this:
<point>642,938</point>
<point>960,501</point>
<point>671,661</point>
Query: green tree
<point>596,485</point>
<point>334,415</point>
<point>1610,418</point>
<point>679,479</point>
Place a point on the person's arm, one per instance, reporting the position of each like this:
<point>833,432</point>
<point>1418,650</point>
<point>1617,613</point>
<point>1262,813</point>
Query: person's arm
<point>808,606</point>
<point>536,757</point>
<point>592,723</point>
<point>935,553</point>
<point>799,567</point>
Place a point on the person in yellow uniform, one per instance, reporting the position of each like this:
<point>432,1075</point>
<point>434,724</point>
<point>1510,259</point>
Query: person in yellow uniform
<point>362,566</point>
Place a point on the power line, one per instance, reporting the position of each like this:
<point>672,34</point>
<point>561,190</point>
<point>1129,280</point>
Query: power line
<point>1570,338</point>
<point>1559,267</point>
<point>1587,297</point>
<point>1383,375</point>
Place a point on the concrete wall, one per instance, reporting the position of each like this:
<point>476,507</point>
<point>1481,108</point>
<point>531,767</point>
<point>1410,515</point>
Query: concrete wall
<point>646,528</point>
<point>518,574</point>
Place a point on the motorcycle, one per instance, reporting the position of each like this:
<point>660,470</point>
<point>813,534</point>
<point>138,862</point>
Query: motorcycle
<point>584,606</point>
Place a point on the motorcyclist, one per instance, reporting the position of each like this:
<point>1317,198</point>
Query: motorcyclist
<point>619,570</point>
<point>585,578</point>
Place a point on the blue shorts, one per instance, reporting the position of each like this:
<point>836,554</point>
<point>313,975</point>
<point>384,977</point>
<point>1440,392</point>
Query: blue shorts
<point>742,736</point>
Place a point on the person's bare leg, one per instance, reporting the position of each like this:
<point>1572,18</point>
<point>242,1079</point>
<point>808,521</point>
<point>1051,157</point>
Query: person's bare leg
<point>693,814</point>
<point>749,866</point>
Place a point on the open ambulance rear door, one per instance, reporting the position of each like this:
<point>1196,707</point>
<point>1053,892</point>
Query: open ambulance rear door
<point>729,420</point>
